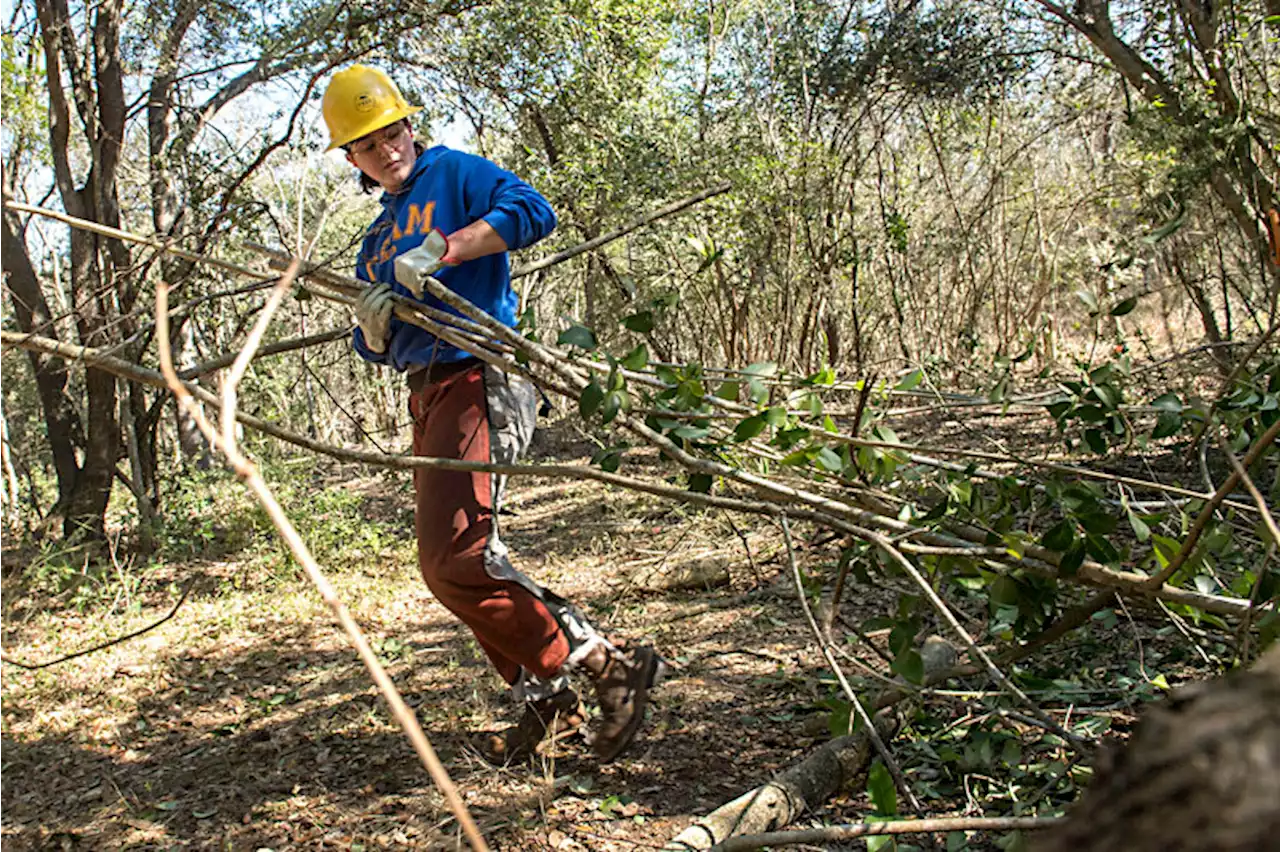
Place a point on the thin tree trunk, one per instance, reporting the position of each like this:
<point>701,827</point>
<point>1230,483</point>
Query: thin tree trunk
<point>31,311</point>
<point>10,475</point>
<point>146,513</point>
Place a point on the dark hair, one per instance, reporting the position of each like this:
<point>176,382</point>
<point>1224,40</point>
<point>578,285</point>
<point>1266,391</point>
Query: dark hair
<point>368,184</point>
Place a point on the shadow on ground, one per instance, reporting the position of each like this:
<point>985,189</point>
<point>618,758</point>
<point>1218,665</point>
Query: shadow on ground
<point>282,744</point>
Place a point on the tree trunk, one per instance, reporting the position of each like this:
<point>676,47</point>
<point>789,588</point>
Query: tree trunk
<point>10,475</point>
<point>1201,771</point>
<point>137,472</point>
<point>62,420</point>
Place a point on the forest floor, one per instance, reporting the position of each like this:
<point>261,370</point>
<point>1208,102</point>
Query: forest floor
<point>247,721</point>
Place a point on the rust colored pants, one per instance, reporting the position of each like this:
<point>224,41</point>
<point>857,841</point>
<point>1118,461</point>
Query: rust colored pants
<point>481,414</point>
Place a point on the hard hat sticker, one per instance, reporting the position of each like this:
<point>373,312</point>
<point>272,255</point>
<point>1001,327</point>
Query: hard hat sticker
<point>364,102</point>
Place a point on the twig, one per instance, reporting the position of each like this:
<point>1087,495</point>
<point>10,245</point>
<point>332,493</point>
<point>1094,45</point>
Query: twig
<point>974,649</point>
<point>106,231</point>
<point>674,207</point>
<point>863,716</point>
<point>1202,520</point>
<point>248,472</point>
<point>270,349</point>
<point>1267,518</point>
<point>831,833</point>
<point>867,385</point>
<point>135,634</point>
<point>746,545</point>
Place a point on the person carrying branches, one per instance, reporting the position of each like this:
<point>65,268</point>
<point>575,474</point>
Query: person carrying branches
<point>456,215</point>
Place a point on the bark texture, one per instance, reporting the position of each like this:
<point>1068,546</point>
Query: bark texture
<point>1201,771</point>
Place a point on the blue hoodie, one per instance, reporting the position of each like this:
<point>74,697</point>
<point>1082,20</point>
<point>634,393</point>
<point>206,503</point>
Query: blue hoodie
<point>449,190</point>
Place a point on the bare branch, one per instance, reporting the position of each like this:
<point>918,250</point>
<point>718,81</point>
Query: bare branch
<point>248,472</point>
<point>834,833</point>
<point>35,666</point>
<point>603,239</point>
<point>869,725</point>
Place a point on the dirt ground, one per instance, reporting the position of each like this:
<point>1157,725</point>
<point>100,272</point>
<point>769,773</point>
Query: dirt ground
<point>247,722</point>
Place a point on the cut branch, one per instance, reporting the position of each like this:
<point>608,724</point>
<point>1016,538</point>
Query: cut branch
<point>836,833</point>
<point>248,472</point>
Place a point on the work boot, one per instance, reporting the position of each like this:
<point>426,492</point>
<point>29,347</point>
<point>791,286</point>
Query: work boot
<point>560,715</point>
<point>622,690</point>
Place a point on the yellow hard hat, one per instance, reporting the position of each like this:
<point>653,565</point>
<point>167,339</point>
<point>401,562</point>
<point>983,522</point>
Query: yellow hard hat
<point>360,100</point>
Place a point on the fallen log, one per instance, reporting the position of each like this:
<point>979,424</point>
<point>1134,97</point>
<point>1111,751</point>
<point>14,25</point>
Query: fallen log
<point>803,787</point>
<point>811,782</point>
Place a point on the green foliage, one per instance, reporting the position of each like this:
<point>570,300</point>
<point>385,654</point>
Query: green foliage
<point>26,114</point>
<point>1095,400</point>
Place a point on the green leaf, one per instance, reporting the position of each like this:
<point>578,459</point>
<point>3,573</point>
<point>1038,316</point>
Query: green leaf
<point>690,432</point>
<point>1071,561</point>
<point>829,460</point>
<point>609,459</point>
<point>1167,423</point>
<point>749,428</point>
<point>1059,537</point>
<point>592,396</point>
<point>1168,402</point>
<point>1124,307</point>
<point>910,380</point>
<point>1096,441</point>
<point>636,359</point>
<point>763,369</point>
<point>1101,549</point>
<point>729,391</point>
<point>1108,395</point>
<point>910,665</point>
<point>700,482</point>
<point>1173,224</point>
<point>1098,521</point>
<point>640,323</point>
<point>776,417</point>
<point>614,401</point>
<point>1165,548</point>
<point>1139,526</point>
<point>884,796</point>
<point>579,336</point>
<point>1058,409</point>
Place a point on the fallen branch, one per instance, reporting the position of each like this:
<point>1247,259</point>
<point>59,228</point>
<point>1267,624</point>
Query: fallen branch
<point>1092,573</point>
<point>248,472</point>
<point>808,784</point>
<point>1202,519</point>
<point>102,647</point>
<point>868,724</point>
<point>833,833</point>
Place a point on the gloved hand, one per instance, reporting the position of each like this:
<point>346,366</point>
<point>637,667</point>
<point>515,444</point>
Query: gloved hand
<point>373,313</point>
<point>425,259</point>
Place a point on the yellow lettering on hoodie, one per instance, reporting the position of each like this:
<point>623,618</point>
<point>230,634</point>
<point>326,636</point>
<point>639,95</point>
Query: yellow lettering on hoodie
<point>418,221</point>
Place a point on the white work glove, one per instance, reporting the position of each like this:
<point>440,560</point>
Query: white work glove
<point>425,259</point>
<point>373,313</point>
